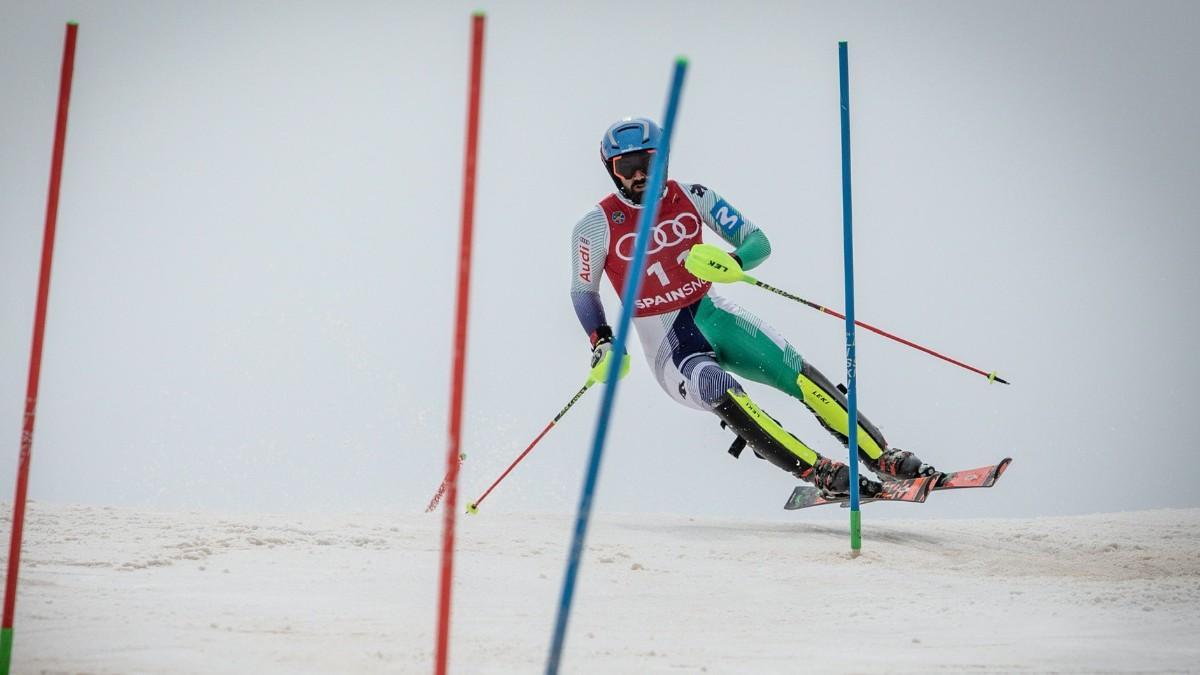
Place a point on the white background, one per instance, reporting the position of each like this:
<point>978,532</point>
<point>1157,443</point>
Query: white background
<point>253,285</point>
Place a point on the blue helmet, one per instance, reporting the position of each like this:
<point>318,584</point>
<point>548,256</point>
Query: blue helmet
<point>631,134</point>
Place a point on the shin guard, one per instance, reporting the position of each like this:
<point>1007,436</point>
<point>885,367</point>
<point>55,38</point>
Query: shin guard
<point>829,405</point>
<point>769,440</point>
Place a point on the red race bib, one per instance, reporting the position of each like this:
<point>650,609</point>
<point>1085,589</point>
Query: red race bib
<point>667,284</point>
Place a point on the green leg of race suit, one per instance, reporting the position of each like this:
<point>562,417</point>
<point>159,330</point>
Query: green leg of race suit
<point>746,347</point>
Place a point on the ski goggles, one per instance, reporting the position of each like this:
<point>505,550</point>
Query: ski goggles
<point>626,166</point>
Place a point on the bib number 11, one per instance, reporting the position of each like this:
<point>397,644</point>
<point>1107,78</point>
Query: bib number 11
<point>657,269</point>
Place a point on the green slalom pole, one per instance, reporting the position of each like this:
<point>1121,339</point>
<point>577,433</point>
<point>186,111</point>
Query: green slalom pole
<point>848,239</point>
<point>6,642</point>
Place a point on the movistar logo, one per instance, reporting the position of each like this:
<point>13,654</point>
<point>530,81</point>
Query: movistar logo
<point>727,217</point>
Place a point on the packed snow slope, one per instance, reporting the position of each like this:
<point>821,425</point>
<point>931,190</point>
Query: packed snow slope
<point>114,590</point>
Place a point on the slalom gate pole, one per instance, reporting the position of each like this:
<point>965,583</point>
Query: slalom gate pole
<point>473,507</point>
<point>848,240</point>
<point>992,377</point>
<point>460,343</point>
<point>35,357</point>
<point>645,224</point>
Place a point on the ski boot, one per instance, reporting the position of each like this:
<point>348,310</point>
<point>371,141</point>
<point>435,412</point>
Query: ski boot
<point>897,464</point>
<point>832,478</point>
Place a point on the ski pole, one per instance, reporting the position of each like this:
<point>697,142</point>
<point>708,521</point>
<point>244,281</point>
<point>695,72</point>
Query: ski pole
<point>473,507</point>
<point>437,496</point>
<point>712,264</point>
<point>992,376</point>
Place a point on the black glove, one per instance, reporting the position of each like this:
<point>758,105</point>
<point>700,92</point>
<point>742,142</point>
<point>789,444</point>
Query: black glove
<point>601,343</point>
<point>601,349</point>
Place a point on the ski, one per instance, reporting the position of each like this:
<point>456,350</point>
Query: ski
<point>982,477</point>
<point>913,490</point>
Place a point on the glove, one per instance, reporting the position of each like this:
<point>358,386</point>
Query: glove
<point>602,356</point>
<point>710,263</point>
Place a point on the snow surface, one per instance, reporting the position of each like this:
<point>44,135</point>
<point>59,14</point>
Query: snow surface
<point>119,590</point>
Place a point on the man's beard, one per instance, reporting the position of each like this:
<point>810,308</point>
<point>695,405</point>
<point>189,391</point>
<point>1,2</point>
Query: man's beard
<point>634,193</point>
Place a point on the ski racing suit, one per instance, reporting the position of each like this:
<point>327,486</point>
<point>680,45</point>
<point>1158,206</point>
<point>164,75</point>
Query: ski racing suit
<point>695,341</point>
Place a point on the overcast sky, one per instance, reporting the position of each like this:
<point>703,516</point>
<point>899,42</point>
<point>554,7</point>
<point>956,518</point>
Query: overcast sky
<point>253,285</point>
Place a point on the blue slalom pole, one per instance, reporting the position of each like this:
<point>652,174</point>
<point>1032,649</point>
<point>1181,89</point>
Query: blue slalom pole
<point>645,224</point>
<point>847,234</point>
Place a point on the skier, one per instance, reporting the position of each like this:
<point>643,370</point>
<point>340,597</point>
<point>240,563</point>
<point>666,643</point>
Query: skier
<point>696,341</point>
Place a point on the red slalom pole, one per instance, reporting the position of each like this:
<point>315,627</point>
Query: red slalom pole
<point>35,358</point>
<point>460,342</point>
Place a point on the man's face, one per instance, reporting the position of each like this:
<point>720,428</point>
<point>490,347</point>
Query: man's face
<point>632,170</point>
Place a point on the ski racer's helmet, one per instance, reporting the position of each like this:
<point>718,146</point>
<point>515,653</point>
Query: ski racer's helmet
<point>630,135</point>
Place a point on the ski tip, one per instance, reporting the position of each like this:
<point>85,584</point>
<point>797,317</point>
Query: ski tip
<point>1003,466</point>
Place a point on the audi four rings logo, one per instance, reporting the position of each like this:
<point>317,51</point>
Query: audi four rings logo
<point>666,234</point>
